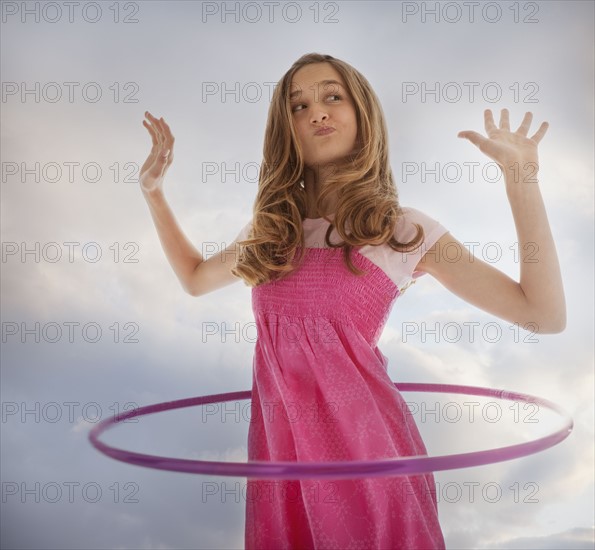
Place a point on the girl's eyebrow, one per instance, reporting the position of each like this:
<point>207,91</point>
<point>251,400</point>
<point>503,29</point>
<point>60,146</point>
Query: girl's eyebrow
<point>323,82</point>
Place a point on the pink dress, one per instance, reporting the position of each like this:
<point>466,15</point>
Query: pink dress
<point>321,392</point>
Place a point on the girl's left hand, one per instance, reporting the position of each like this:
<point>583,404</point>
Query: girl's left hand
<point>508,148</point>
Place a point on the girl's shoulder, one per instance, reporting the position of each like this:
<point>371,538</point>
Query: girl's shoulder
<point>405,228</point>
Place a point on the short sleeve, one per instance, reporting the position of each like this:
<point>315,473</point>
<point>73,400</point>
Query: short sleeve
<point>243,234</point>
<point>404,232</point>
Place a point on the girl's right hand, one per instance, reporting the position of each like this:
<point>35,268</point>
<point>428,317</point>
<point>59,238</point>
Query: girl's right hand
<point>160,157</point>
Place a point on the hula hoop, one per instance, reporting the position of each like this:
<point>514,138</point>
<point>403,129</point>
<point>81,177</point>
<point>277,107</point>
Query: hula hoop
<point>338,469</point>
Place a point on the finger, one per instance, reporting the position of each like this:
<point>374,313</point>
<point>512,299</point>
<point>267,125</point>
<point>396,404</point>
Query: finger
<point>541,132</point>
<point>524,127</point>
<point>169,136</point>
<point>162,142</point>
<point>160,131</point>
<point>152,119</point>
<point>473,137</point>
<point>166,136</point>
<point>157,128</point>
<point>152,132</point>
<point>489,121</point>
<point>504,120</point>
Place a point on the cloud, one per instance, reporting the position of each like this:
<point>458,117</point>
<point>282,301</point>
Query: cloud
<point>171,53</point>
<point>572,539</point>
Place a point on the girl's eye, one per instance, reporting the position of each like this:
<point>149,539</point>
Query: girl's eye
<point>295,107</point>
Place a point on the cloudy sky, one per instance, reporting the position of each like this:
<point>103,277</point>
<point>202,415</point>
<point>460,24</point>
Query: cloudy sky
<point>94,320</point>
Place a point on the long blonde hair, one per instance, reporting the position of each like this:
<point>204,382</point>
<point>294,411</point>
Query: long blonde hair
<point>367,198</point>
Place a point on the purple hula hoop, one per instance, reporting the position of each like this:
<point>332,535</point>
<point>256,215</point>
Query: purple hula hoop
<point>337,469</point>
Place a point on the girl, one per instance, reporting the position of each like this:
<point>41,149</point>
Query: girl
<point>327,252</point>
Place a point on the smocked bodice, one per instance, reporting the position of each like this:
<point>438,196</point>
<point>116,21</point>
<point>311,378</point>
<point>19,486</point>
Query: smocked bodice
<point>323,287</point>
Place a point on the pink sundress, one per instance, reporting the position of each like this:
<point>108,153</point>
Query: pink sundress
<point>321,392</point>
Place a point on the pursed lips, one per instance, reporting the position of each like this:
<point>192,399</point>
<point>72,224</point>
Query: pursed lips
<point>324,131</point>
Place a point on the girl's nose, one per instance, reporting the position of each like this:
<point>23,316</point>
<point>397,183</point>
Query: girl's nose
<point>319,115</point>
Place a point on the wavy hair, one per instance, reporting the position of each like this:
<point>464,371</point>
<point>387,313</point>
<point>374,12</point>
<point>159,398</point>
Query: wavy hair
<point>367,199</point>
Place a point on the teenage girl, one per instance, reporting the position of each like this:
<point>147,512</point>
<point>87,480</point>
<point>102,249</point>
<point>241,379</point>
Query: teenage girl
<point>327,252</point>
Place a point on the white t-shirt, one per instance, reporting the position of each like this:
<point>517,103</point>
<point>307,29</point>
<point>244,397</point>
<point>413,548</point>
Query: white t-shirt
<point>398,266</point>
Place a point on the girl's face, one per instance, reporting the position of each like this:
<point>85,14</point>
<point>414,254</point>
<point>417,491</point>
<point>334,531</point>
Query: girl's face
<point>319,98</point>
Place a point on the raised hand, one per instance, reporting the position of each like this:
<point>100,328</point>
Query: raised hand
<point>161,155</point>
<point>513,151</point>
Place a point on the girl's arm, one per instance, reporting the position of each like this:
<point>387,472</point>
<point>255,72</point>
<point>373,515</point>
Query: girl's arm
<point>196,275</point>
<point>536,302</point>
